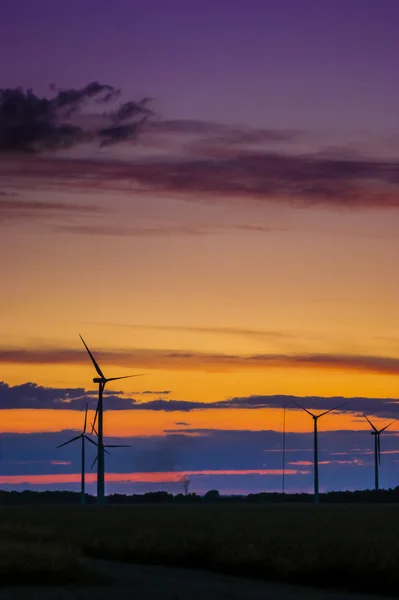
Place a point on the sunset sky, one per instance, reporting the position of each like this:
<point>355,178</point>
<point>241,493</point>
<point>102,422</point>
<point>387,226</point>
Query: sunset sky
<point>227,226</point>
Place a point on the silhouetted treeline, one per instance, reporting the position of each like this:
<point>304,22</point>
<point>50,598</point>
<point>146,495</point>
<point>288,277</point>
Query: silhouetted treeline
<point>28,497</point>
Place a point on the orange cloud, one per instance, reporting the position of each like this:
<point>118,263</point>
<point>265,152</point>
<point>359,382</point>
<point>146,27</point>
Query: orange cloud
<point>201,361</point>
<point>308,463</point>
<point>149,477</point>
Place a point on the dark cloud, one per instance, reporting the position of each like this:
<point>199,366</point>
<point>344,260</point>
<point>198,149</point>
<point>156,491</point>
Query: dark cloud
<point>172,405</point>
<point>200,361</point>
<point>133,109</point>
<point>380,407</point>
<point>31,395</point>
<point>30,124</point>
<point>119,133</point>
<point>72,99</point>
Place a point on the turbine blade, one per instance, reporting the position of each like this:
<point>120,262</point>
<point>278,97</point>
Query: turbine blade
<point>93,463</point>
<point>118,446</point>
<point>84,426</point>
<point>97,368</point>
<point>91,441</point>
<point>303,408</point>
<point>386,426</point>
<point>106,451</point>
<point>331,409</point>
<point>93,425</point>
<point>125,377</point>
<point>375,429</point>
<point>379,448</point>
<point>70,441</point>
<point>95,443</point>
<point>94,429</point>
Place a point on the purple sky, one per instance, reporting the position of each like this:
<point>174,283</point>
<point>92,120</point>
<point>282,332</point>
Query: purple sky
<point>310,64</point>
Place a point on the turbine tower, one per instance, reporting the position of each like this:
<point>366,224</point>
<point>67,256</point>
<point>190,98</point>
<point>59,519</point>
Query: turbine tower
<point>377,449</point>
<point>283,469</point>
<point>82,437</point>
<point>102,381</point>
<point>315,446</point>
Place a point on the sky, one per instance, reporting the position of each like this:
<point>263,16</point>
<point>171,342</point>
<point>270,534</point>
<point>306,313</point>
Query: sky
<point>208,193</point>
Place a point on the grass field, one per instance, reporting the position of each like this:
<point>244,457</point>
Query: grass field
<point>348,546</point>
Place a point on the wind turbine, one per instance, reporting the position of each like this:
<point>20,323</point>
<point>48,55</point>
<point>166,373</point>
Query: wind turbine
<point>102,381</point>
<point>82,437</point>
<point>377,448</point>
<point>315,445</point>
<point>106,446</point>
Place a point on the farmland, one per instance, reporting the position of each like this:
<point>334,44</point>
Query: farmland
<point>353,547</point>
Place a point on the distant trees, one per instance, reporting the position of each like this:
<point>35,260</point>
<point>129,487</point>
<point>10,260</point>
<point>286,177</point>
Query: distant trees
<point>212,496</point>
<point>29,497</point>
<point>47,497</point>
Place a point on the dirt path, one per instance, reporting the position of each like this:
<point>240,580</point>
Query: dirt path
<point>136,582</point>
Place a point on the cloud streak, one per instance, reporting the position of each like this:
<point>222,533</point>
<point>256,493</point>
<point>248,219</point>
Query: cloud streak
<point>153,393</point>
<point>26,210</point>
<point>212,133</point>
<point>200,361</point>
<point>299,180</point>
<point>149,477</point>
<point>235,331</point>
<point>166,230</point>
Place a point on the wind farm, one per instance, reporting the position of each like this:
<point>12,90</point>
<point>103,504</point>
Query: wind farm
<point>102,447</point>
<point>185,480</point>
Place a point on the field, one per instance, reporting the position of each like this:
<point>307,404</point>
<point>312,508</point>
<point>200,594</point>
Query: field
<point>338,546</point>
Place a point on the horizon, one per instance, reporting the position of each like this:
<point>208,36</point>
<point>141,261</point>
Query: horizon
<point>162,493</point>
<point>212,199</point>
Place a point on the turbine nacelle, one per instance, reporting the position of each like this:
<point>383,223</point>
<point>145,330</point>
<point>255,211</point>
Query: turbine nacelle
<point>99,380</point>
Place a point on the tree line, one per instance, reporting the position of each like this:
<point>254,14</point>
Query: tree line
<point>28,497</point>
